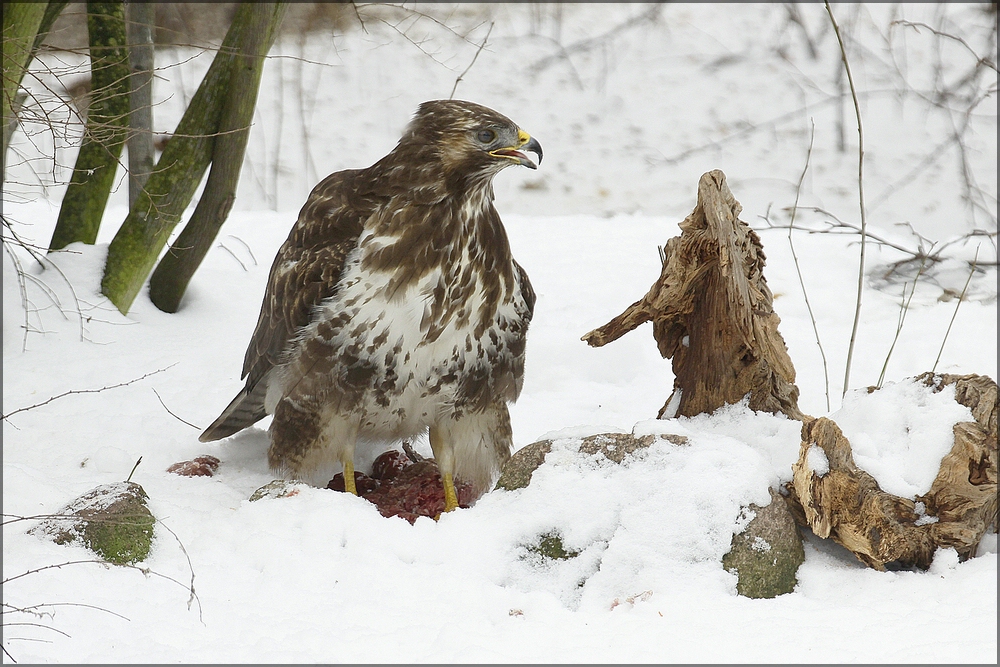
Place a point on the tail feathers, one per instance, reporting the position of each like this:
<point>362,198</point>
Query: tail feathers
<point>244,410</point>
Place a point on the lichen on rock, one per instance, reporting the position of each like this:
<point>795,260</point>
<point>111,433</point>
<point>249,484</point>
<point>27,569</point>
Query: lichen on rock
<point>767,553</point>
<point>112,520</point>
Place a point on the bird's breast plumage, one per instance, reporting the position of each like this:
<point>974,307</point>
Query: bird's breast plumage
<point>428,318</point>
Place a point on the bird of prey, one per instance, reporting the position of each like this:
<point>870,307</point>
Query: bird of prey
<point>395,308</point>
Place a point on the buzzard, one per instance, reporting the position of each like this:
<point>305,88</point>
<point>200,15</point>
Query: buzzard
<point>394,308</point>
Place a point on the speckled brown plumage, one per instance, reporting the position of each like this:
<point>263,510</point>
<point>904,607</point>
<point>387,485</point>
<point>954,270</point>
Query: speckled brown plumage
<point>395,306</point>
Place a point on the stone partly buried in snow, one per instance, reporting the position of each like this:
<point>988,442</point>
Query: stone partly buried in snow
<point>112,520</point>
<point>767,553</point>
<point>516,473</point>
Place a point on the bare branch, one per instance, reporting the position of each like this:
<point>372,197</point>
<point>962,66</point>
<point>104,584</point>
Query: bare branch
<point>916,25</point>
<point>466,70</point>
<point>904,307</point>
<point>171,412</point>
<point>798,269</point>
<point>961,298</point>
<point>861,196</point>
<point>86,391</point>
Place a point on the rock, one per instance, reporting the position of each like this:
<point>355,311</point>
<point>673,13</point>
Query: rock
<point>278,488</point>
<point>767,554</point>
<point>516,473</point>
<point>550,545</point>
<point>112,520</point>
<point>615,446</point>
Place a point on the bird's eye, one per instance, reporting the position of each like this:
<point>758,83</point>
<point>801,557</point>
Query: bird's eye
<point>486,136</point>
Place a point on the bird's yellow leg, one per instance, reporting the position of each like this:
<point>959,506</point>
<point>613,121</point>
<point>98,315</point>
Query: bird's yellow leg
<point>445,459</point>
<point>450,497</point>
<point>349,478</point>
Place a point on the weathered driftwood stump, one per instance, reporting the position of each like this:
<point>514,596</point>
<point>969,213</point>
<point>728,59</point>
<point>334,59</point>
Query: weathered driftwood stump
<point>836,499</point>
<point>712,314</point>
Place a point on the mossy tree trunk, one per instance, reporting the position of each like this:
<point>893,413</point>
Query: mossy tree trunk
<point>137,245</point>
<point>171,277</point>
<point>18,21</point>
<point>141,18</point>
<point>106,130</point>
<point>21,23</point>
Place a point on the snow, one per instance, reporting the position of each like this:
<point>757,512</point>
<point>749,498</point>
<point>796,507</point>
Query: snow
<point>628,126</point>
<point>900,433</point>
<point>818,463</point>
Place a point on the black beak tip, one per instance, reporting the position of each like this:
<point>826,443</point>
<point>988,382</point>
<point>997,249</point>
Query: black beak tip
<point>535,148</point>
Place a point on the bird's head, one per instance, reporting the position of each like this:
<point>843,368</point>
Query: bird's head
<point>469,139</point>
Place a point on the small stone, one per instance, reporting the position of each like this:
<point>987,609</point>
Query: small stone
<point>112,520</point>
<point>516,473</point>
<point>550,545</point>
<point>767,554</point>
<point>278,488</point>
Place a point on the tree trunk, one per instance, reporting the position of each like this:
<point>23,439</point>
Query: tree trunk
<point>141,23</point>
<point>138,243</point>
<point>106,130</point>
<point>712,314</point>
<point>21,22</point>
<point>171,277</point>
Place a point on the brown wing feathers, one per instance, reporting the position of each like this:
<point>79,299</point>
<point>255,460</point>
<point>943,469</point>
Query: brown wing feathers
<point>306,270</point>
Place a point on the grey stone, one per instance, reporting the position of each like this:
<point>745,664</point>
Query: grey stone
<point>615,446</point>
<point>767,554</point>
<point>112,520</point>
<point>277,488</point>
<point>516,473</point>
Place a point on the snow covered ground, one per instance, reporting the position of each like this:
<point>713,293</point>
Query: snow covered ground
<point>630,114</point>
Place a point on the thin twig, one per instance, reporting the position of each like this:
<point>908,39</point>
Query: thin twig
<point>194,596</point>
<point>961,297</point>
<point>172,412</point>
<point>244,243</point>
<point>916,25</point>
<point>798,269</point>
<point>223,246</point>
<point>129,478</point>
<point>85,391</point>
<point>904,308</point>
<point>861,197</point>
<point>32,609</point>
<point>466,70</point>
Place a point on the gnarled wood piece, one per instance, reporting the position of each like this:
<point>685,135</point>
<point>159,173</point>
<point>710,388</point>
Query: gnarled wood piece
<point>964,494</point>
<point>712,314</point>
<point>846,504</point>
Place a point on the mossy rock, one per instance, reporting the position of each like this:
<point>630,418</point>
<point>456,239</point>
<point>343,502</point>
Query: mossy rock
<point>112,520</point>
<point>550,545</point>
<point>768,553</point>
